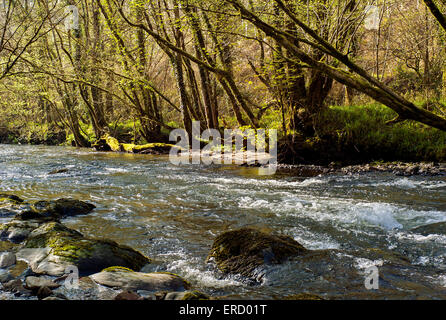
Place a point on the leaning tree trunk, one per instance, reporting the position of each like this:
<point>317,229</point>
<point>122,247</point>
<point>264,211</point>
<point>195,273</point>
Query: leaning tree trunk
<point>358,79</point>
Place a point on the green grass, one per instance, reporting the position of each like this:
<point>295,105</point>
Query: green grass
<point>364,127</point>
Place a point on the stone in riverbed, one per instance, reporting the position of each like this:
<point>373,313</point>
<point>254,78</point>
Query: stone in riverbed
<point>35,283</point>
<point>54,298</point>
<point>128,295</point>
<point>304,296</point>
<point>54,210</point>
<point>17,231</point>
<point>126,279</point>
<point>16,287</point>
<point>9,204</point>
<point>43,292</point>
<point>5,276</point>
<point>434,228</point>
<point>186,295</point>
<point>5,197</point>
<point>19,269</point>
<point>242,251</point>
<point>52,247</point>
<point>7,259</point>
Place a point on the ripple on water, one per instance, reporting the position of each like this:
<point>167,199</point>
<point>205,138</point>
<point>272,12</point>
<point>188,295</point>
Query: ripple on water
<point>173,213</point>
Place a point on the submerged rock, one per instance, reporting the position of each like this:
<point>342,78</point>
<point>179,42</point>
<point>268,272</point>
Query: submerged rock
<point>242,251</point>
<point>5,276</point>
<point>127,279</point>
<point>9,204</point>
<point>56,171</point>
<point>52,247</point>
<point>20,268</point>
<point>4,197</point>
<point>55,209</point>
<point>434,228</point>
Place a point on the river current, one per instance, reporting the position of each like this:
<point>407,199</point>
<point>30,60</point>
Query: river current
<point>173,213</point>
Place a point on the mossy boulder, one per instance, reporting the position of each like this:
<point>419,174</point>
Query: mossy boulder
<point>53,210</point>
<point>9,204</point>
<point>434,228</point>
<point>242,251</point>
<point>4,197</point>
<point>52,247</point>
<point>126,279</point>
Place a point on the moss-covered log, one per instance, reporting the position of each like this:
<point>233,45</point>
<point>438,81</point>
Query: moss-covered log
<point>108,143</point>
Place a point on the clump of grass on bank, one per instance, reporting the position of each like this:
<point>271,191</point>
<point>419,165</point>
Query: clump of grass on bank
<point>31,133</point>
<point>364,128</point>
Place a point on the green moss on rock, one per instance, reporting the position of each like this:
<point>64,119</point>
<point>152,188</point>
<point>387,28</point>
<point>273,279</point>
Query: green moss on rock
<point>4,197</point>
<point>194,295</point>
<point>242,251</point>
<point>88,254</point>
<point>116,268</point>
<point>53,210</point>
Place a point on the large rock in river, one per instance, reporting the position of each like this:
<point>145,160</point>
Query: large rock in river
<point>122,278</point>
<point>55,209</point>
<point>52,247</point>
<point>6,197</point>
<point>242,251</point>
<point>9,204</point>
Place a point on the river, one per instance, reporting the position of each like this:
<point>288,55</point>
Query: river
<point>173,213</point>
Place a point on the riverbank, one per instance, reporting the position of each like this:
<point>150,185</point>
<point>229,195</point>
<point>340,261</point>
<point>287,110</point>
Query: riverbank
<point>345,137</point>
<point>397,168</point>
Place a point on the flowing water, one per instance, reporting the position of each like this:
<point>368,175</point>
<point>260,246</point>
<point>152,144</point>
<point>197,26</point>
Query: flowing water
<point>173,213</point>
